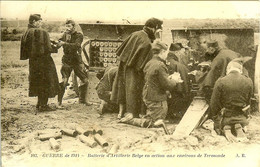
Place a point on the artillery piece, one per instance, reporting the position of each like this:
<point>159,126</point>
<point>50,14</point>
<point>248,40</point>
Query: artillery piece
<point>99,47</point>
<point>237,40</point>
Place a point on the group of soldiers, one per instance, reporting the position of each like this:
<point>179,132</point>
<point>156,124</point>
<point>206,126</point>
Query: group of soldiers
<point>151,83</point>
<point>43,79</point>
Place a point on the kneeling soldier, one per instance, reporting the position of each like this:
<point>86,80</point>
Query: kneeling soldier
<point>230,103</point>
<point>104,89</point>
<point>157,82</point>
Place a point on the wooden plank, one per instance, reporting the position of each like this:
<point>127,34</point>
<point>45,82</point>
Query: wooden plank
<point>191,118</point>
<point>92,93</point>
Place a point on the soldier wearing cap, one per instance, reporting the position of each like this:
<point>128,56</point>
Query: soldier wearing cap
<point>134,53</point>
<point>157,82</point>
<point>218,66</point>
<point>180,96</point>
<point>72,60</point>
<point>179,51</point>
<point>37,47</point>
<point>230,102</point>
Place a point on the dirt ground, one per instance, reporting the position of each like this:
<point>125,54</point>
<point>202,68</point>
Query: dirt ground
<point>19,128</point>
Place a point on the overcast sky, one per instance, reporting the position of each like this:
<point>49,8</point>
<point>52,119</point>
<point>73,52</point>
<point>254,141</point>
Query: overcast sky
<point>131,10</point>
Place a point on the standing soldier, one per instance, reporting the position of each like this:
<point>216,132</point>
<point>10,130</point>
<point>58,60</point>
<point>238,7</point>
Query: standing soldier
<point>43,78</point>
<point>134,53</point>
<point>72,60</point>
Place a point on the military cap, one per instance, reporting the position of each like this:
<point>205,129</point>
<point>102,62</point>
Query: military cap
<point>70,22</point>
<point>157,46</point>
<point>212,43</point>
<point>34,17</point>
<point>176,46</point>
<point>154,23</point>
<point>234,65</point>
<point>171,55</point>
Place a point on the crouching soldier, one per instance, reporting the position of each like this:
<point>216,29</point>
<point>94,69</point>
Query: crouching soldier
<point>180,97</point>
<point>230,103</point>
<point>104,89</point>
<point>157,82</point>
<point>72,60</point>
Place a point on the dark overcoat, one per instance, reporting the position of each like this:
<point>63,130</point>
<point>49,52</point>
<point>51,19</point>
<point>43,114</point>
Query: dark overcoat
<point>134,53</point>
<point>218,66</point>
<point>43,78</point>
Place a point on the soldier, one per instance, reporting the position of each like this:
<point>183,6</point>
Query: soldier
<point>230,102</point>
<point>134,53</point>
<point>180,96</point>
<point>179,51</point>
<point>72,60</point>
<point>43,78</point>
<point>157,82</point>
<point>104,89</point>
<point>218,66</point>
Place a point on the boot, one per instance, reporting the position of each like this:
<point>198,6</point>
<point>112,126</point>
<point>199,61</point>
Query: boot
<point>61,93</point>
<point>83,94</point>
<point>144,123</point>
<point>228,134</point>
<point>241,136</point>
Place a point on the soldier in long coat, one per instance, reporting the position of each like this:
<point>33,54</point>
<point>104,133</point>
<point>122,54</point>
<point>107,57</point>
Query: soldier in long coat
<point>43,78</point>
<point>134,53</point>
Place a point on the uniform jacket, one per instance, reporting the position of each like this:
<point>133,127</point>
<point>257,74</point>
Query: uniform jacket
<point>72,47</point>
<point>231,91</point>
<point>218,66</point>
<point>105,84</point>
<point>175,66</point>
<point>156,80</point>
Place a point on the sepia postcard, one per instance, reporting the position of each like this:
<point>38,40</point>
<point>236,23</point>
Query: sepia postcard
<point>124,83</point>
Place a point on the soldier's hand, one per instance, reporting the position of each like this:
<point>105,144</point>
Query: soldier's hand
<point>61,43</point>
